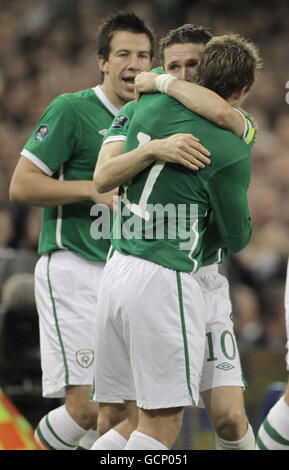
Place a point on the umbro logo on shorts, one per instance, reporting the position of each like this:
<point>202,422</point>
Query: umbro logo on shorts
<point>84,357</point>
<point>225,366</point>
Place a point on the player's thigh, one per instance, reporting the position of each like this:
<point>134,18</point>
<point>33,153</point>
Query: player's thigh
<point>113,381</point>
<point>165,333</point>
<point>222,365</point>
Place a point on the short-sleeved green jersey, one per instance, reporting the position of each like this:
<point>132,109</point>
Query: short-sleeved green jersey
<point>120,125</point>
<point>175,217</point>
<point>64,145</point>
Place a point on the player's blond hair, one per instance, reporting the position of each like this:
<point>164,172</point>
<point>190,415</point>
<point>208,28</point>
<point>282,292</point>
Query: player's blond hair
<point>228,64</point>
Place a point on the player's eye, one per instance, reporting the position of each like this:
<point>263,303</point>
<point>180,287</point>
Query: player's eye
<point>173,67</point>
<point>194,63</point>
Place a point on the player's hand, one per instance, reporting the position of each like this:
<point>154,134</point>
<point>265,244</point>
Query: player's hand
<point>145,83</point>
<point>184,149</point>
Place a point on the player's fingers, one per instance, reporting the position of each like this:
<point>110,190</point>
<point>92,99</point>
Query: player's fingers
<point>136,95</point>
<point>188,164</point>
<point>197,155</point>
<point>200,148</point>
<point>196,158</point>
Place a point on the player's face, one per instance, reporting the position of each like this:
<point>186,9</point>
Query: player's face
<point>181,60</point>
<point>129,55</point>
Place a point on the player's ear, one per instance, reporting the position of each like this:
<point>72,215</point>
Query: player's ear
<point>102,63</point>
<point>237,94</point>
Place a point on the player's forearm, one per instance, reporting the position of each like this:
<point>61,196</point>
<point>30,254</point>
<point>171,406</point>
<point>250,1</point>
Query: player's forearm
<point>43,191</point>
<point>208,104</point>
<point>114,170</point>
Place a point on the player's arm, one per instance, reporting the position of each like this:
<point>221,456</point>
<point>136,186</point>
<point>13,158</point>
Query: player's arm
<point>228,194</point>
<point>198,99</point>
<point>115,166</point>
<point>31,186</point>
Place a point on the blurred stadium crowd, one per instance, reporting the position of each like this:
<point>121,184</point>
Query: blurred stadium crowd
<point>48,47</point>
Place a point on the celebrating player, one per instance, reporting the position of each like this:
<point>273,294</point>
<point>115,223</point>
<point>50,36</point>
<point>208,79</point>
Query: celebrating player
<point>55,172</point>
<point>157,319</point>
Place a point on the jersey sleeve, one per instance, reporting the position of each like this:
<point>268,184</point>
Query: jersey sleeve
<point>249,134</point>
<point>228,190</point>
<point>54,137</point>
<point>120,125</point>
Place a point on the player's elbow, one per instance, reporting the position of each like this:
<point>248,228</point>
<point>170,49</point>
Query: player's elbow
<point>237,244</point>
<point>16,192</point>
<point>101,180</point>
<point>100,184</point>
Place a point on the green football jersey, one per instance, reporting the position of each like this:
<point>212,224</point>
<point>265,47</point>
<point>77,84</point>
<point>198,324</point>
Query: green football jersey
<point>65,144</point>
<point>173,216</point>
<point>120,125</point>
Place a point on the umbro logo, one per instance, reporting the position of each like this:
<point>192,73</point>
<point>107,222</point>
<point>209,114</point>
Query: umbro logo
<point>103,131</point>
<point>225,366</point>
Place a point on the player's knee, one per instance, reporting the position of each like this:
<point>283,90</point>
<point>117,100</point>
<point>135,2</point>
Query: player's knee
<point>85,414</point>
<point>108,418</point>
<point>231,425</point>
<point>171,417</point>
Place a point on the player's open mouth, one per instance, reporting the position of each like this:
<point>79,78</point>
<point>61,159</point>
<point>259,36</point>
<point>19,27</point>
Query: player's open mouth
<point>129,82</point>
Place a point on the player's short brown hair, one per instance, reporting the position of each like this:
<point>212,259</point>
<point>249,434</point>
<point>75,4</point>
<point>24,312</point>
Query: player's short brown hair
<point>187,33</point>
<point>121,22</point>
<point>228,63</point>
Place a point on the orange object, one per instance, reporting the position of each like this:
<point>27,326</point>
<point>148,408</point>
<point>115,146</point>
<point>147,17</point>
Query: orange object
<point>16,433</point>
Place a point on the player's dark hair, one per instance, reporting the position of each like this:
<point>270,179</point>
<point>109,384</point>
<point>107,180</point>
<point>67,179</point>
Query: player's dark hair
<point>121,22</point>
<point>188,33</point>
<point>228,63</point>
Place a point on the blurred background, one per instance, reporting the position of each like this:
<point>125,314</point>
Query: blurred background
<point>48,47</point>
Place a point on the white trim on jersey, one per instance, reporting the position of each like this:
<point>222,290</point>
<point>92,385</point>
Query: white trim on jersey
<point>114,138</point>
<point>102,97</point>
<point>39,163</point>
<point>59,217</point>
<point>244,135</point>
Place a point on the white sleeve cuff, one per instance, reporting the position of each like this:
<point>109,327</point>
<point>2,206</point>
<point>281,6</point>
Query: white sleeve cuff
<point>114,138</point>
<point>39,163</point>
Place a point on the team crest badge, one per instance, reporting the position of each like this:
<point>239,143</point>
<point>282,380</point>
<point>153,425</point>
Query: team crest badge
<point>42,132</point>
<point>119,121</point>
<point>84,357</point>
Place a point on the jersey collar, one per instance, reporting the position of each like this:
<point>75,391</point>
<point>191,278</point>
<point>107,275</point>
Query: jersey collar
<point>105,101</point>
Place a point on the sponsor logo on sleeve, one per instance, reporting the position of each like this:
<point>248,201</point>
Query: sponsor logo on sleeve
<point>119,121</point>
<point>42,132</point>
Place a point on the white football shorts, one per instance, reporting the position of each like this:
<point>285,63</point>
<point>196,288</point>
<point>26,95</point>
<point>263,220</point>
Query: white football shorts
<point>150,335</point>
<point>162,336</point>
<point>66,292</point>
<point>221,366</point>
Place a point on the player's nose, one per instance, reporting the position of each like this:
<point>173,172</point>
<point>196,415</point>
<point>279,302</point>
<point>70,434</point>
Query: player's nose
<point>183,73</point>
<point>134,62</point>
